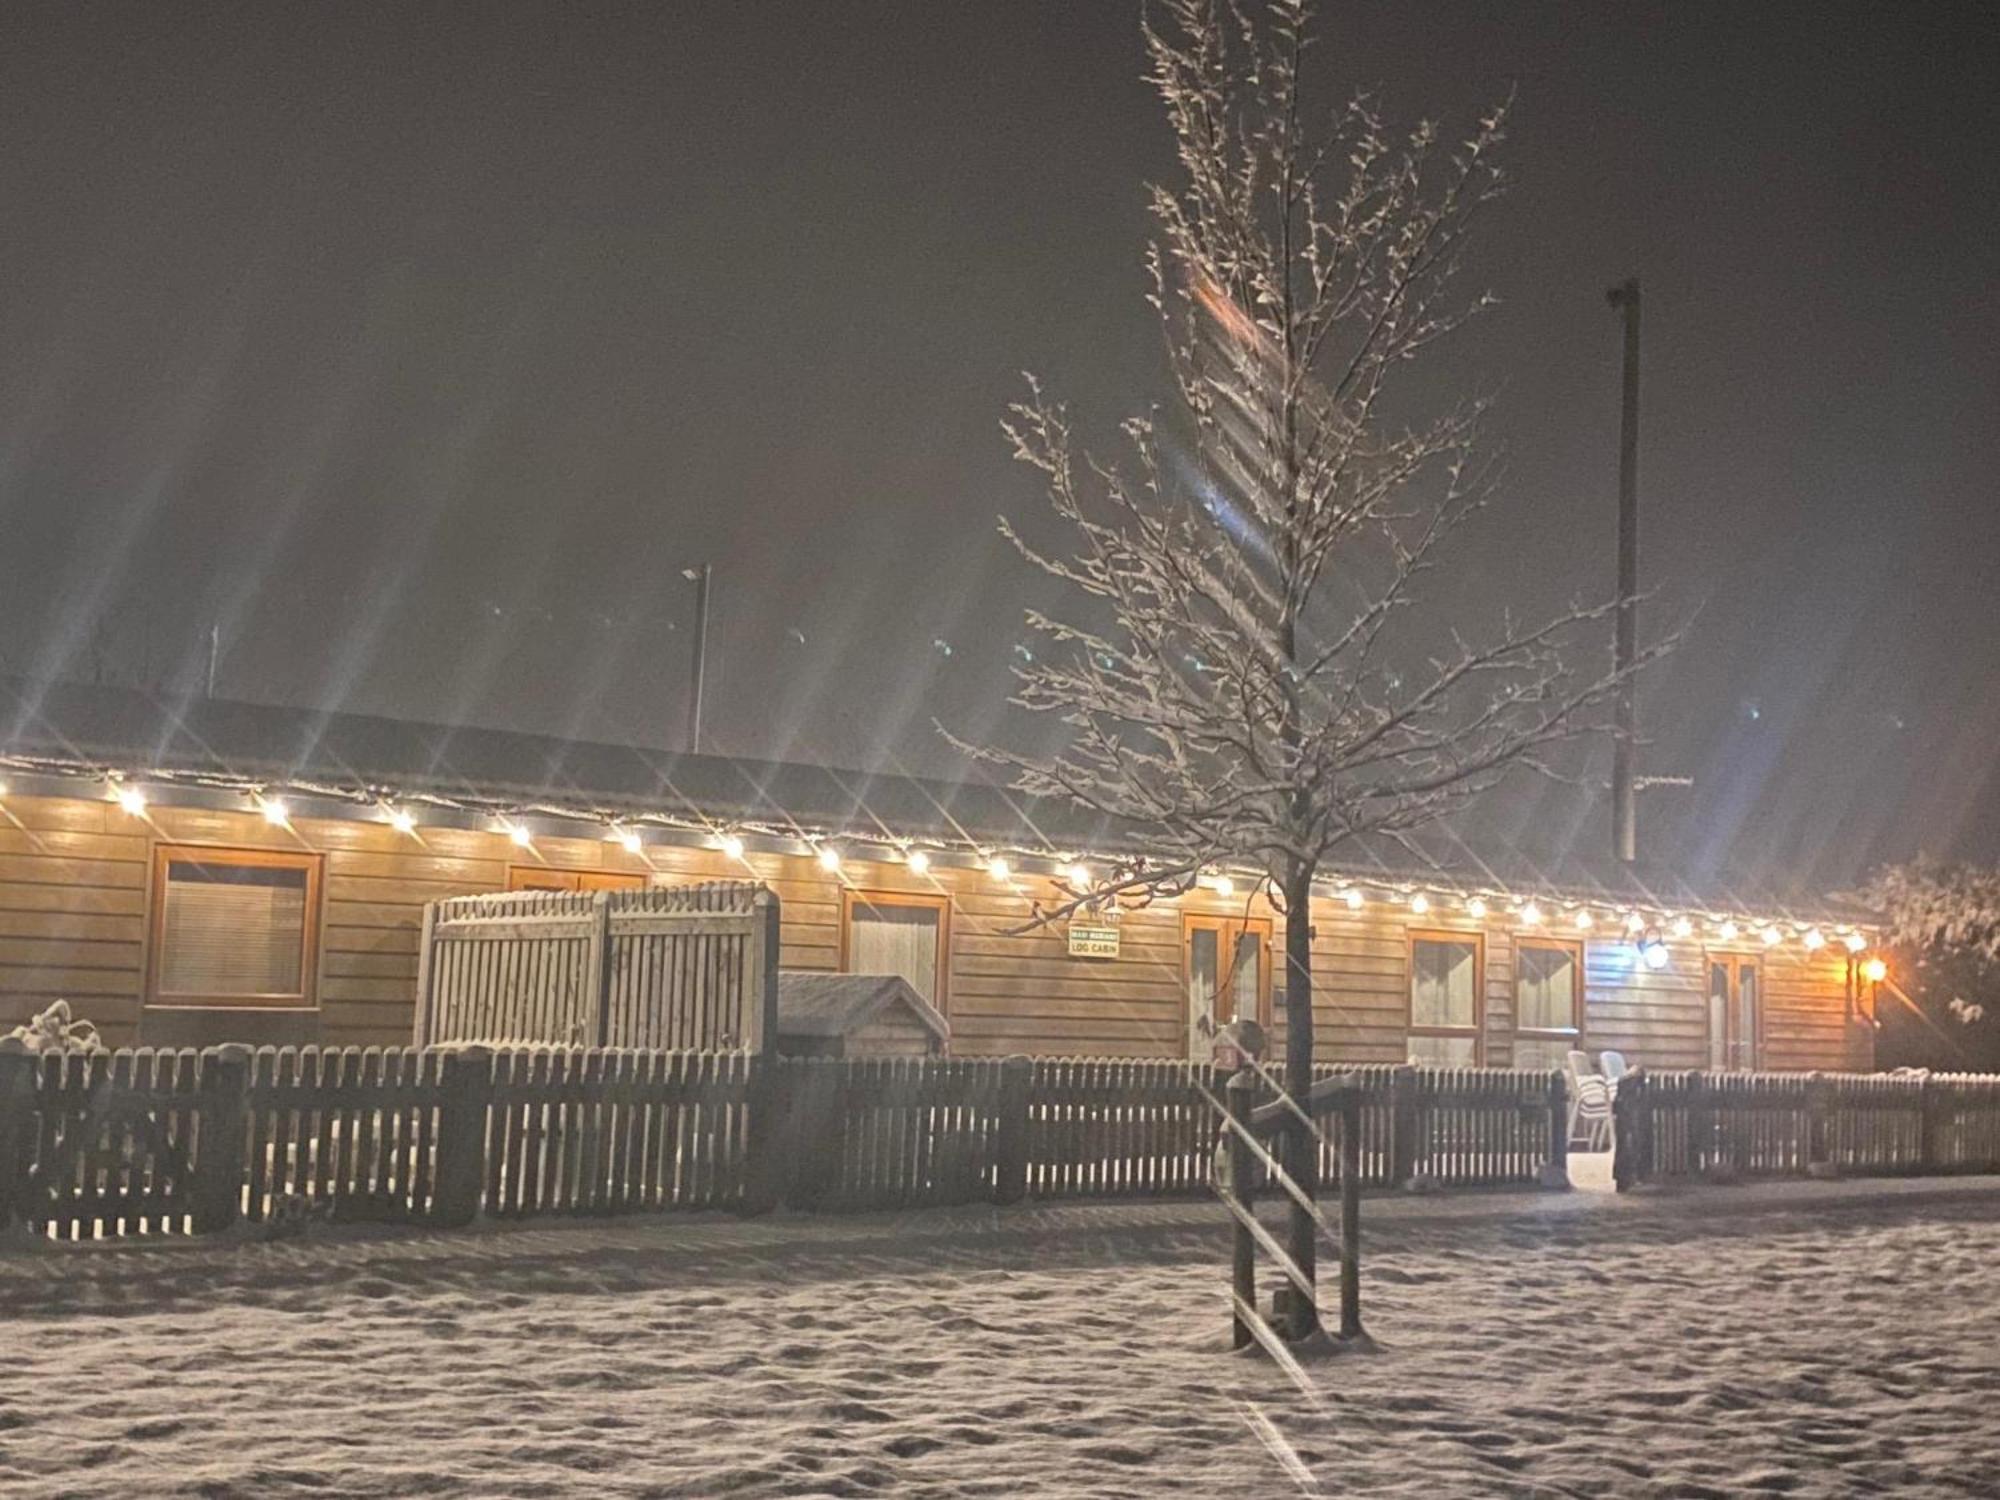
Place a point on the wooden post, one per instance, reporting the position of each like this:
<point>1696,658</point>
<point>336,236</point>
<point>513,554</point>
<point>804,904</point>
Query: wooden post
<point>1629,1136</point>
<point>1555,1171</point>
<point>764,1108</point>
<point>17,1133</point>
<point>1819,1128</point>
<point>1927,1131</point>
<point>1010,1145</point>
<point>1405,1123</point>
<point>1350,1213</point>
<point>1241,1094</point>
<point>600,968</point>
<point>761,1024</point>
<point>465,1088</point>
<point>427,978</point>
<point>217,1189</point>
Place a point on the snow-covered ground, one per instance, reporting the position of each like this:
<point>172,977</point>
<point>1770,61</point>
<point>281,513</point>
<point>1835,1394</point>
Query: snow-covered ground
<point>1699,1346</point>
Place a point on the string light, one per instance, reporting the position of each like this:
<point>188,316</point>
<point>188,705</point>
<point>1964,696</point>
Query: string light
<point>274,810</point>
<point>730,845</point>
<point>1772,937</point>
<point>132,800</point>
<point>1855,942</point>
<point>999,869</point>
<point>1222,885</point>
<point>628,839</point>
<point>1353,897</point>
<point>1727,932</point>
<point>1634,922</point>
<point>919,862</point>
<point>1420,903</point>
<point>1683,928</point>
<point>1475,908</point>
<point>1079,875</point>
<point>519,833</point>
<point>1584,919</point>
<point>829,859</point>
<point>402,820</point>
<point>1531,915</point>
<point>1814,940</point>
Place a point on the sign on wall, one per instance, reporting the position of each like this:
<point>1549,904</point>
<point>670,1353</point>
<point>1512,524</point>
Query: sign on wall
<point>1093,939</point>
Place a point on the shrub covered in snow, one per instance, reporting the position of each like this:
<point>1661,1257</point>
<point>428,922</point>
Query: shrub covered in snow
<point>53,1031</point>
<point>1944,921</point>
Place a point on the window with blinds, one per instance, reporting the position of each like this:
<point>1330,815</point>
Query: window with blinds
<point>233,927</point>
<point>901,935</point>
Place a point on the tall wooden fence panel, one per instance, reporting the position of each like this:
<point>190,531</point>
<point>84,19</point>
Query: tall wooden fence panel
<point>690,967</point>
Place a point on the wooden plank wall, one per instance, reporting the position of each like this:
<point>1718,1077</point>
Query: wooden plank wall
<point>73,905</point>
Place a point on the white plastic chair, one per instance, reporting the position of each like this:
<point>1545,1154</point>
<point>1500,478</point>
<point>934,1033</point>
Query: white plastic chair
<point>1589,1104</point>
<point>1612,1065</point>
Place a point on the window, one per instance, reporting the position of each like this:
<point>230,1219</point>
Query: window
<point>234,927</point>
<point>885,933</point>
<point>542,878</point>
<point>1445,1007</point>
<point>1548,1003</point>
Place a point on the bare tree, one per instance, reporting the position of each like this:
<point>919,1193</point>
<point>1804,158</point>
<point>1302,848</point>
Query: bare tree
<point>1253,674</point>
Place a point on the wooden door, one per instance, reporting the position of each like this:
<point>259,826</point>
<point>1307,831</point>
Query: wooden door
<point>1227,971</point>
<point>1735,1013</point>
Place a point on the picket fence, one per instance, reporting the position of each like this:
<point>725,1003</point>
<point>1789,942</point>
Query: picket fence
<point>1729,1125</point>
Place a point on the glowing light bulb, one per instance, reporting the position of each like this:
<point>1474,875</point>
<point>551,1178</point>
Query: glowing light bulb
<point>1728,932</point>
<point>999,869</point>
<point>628,839</point>
<point>1531,914</point>
<point>730,845</point>
<point>274,810</point>
<point>1772,937</point>
<point>518,832</point>
<point>1855,942</point>
<point>920,862</point>
<point>1420,903</point>
<point>1875,971</point>
<point>1654,952</point>
<point>1634,922</point>
<point>1475,908</point>
<point>1683,928</point>
<point>1814,940</point>
<point>402,820</point>
<point>1222,885</point>
<point>1353,897</point>
<point>829,859</point>
<point>132,800</point>
<point>1079,875</point>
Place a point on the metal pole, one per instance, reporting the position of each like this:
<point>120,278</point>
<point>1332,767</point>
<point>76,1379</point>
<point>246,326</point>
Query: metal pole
<point>699,577</point>
<point>1624,766</point>
<point>214,650</point>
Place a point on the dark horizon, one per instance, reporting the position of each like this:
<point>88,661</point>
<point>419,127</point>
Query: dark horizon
<point>421,348</point>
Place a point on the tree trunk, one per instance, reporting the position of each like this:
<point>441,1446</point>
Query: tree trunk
<point>1302,1145</point>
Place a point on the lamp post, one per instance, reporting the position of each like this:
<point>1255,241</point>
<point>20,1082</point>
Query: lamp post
<point>698,576</point>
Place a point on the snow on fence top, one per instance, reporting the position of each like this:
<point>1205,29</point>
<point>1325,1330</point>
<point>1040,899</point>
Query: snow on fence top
<point>690,966</point>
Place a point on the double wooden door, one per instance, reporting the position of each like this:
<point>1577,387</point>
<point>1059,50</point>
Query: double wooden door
<point>1735,1013</point>
<point>1227,962</point>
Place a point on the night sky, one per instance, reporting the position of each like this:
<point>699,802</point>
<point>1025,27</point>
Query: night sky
<point>420,347</point>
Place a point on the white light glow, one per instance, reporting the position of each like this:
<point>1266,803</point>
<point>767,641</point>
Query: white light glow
<point>1584,919</point>
<point>1683,928</point>
<point>518,832</point>
<point>829,858</point>
<point>1728,932</point>
<point>1420,903</point>
<point>132,800</point>
<point>628,839</point>
<point>1531,915</point>
<point>999,869</point>
<point>274,810</point>
<point>730,845</point>
<point>1772,937</point>
<point>1353,897</point>
<point>1654,953</point>
<point>1875,971</point>
<point>1855,942</point>
<point>1814,940</point>
<point>402,820</point>
<point>1634,922</point>
<point>1475,908</point>
<point>920,862</point>
<point>1079,876</point>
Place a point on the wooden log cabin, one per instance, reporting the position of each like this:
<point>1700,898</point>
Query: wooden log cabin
<point>189,872</point>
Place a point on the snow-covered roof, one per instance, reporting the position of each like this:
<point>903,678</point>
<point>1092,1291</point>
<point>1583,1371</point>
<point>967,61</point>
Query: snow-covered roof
<point>836,1004</point>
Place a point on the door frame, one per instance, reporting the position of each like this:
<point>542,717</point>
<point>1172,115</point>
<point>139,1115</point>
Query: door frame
<point>1224,927</point>
<point>1734,963</point>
